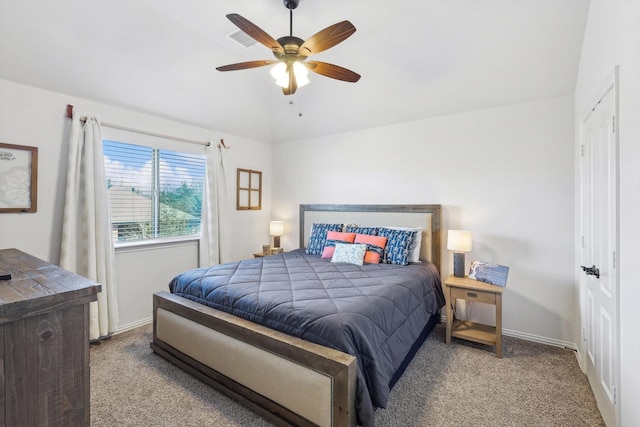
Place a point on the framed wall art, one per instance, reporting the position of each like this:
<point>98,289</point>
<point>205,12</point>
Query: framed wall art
<point>249,193</point>
<point>18,178</point>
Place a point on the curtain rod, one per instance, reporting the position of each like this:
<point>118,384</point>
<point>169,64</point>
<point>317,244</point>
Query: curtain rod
<point>175,138</point>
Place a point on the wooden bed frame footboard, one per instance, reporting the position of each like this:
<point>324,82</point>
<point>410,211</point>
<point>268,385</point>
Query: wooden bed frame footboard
<point>283,378</point>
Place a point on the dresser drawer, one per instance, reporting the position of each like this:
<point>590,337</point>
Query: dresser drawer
<point>473,295</point>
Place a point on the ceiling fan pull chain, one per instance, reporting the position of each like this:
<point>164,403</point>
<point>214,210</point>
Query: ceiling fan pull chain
<point>300,102</point>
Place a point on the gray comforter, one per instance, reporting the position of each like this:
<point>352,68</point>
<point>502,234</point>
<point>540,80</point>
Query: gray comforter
<point>375,312</point>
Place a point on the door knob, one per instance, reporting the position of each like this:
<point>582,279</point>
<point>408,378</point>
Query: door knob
<point>591,271</point>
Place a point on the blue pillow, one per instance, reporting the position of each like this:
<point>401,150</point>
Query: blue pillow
<point>397,249</point>
<point>352,228</point>
<point>318,238</point>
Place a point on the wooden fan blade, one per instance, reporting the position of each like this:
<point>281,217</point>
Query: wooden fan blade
<point>327,38</point>
<point>333,71</point>
<point>255,32</point>
<point>246,65</point>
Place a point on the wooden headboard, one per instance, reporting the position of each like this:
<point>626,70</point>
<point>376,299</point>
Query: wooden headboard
<point>426,216</point>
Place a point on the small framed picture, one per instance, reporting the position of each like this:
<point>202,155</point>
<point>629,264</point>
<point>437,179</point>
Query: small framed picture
<point>266,249</point>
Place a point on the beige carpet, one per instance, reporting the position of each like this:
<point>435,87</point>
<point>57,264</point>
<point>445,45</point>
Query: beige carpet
<point>462,384</point>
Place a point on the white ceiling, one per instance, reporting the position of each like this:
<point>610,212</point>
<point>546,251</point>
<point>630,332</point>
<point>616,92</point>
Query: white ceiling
<point>417,58</point>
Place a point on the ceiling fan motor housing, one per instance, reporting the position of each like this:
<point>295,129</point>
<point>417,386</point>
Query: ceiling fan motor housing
<point>291,45</point>
<point>291,4</point>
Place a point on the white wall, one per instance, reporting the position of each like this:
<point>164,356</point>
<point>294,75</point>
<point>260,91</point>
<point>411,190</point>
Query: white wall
<point>141,271</point>
<point>35,117</point>
<point>506,174</point>
<point>612,37</point>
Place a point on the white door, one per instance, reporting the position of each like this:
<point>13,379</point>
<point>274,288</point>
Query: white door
<point>599,285</point>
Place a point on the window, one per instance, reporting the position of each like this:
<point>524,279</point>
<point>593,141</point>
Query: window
<point>153,192</point>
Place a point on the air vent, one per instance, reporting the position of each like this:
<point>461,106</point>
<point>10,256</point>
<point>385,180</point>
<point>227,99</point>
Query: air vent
<point>243,38</point>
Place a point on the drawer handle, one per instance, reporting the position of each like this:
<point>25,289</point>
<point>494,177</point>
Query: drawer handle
<point>472,295</point>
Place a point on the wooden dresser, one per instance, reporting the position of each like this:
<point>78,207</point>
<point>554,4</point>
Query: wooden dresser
<point>44,343</point>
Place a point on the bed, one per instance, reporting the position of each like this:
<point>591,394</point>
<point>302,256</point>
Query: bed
<point>311,359</point>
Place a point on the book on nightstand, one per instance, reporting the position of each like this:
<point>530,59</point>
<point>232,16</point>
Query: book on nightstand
<point>493,274</point>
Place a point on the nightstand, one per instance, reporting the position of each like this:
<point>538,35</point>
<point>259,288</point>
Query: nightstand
<point>261,254</point>
<point>472,290</point>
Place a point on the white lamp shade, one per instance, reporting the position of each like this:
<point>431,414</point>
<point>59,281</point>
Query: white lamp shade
<point>276,228</point>
<point>459,240</point>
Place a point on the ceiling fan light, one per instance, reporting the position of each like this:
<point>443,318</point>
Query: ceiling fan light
<point>283,81</point>
<point>301,73</point>
<point>302,81</point>
<point>279,71</point>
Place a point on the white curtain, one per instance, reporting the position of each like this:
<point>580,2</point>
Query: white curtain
<point>215,229</point>
<point>87,246</point>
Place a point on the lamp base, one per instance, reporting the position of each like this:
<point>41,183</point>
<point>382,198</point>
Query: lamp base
<point>458,264</point>
<point>276,241</point>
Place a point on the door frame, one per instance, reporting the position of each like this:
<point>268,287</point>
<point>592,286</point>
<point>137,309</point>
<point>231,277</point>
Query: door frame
<point>611,84</point>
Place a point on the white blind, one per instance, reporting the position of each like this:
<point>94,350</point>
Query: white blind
<point>153,192</point>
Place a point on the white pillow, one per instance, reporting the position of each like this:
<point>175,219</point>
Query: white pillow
<point>414,246</point>
<point>349,253</point>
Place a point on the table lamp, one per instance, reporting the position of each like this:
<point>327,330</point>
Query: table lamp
<point>458,241</point>
<point>276,229</point>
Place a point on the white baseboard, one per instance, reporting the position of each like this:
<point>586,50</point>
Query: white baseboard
<point>533,338</point>
<point>137,324</point>
<point>539,339</point>
<point>581,361</point>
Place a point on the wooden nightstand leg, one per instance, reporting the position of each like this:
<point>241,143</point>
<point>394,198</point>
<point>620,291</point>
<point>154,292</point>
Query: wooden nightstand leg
<point>449,315</point>
<point>498,325</point>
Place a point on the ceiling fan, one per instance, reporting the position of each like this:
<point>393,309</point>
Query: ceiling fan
<point>291,52</point>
